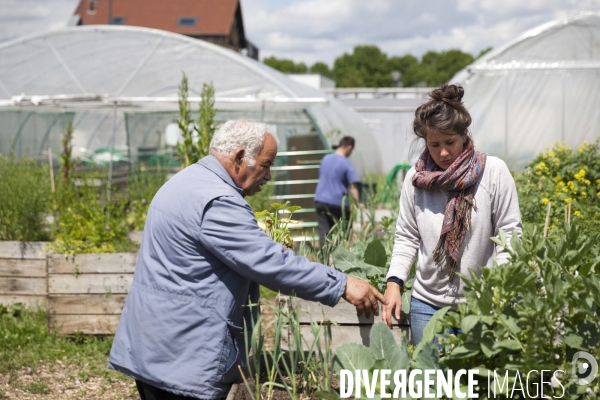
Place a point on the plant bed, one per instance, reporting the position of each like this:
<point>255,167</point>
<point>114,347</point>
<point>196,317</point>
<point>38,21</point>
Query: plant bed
<point>348,328</point>
<point>86,292</point>
<point>23,273</point>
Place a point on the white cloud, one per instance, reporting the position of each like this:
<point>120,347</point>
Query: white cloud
<point>322,30</point>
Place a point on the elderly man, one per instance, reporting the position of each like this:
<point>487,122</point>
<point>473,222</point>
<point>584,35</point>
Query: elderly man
<point>202,258</point>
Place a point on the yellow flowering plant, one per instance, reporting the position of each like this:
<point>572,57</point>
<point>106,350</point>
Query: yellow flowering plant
<point>569,179</point>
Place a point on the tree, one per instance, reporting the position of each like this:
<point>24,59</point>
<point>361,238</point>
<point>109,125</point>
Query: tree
<point>437,68</point>
<point>408,65</point>
<point>366,66</point>
<point>285,66</point>
<point>321,68</point>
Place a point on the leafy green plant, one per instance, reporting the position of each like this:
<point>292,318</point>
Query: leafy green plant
<point>304,368</point>
<point>142,185</point>
<point>192,147</point>
<point>205,126</point>
<point>533,313</point>
<point>26,200</point>
<point>569,180</point>
<point>275,225</point>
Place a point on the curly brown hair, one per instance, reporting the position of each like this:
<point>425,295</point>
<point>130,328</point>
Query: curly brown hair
<point>444,112</point>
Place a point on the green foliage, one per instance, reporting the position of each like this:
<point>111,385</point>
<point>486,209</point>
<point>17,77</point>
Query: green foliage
<point>26,199</point>
<point>275,225</point>
<point>195,135</point>
<point>570,180</point>
<point>305,367</point>
<point>366,66</point>
<point>285,66</point>
<point>88,223</point>
<point>438,67</point>
<point>142,185</point>
<point>321,68</point>
<point>186,149</point>
<point>25,341</point>
<point>205,126</point>
<point>67,162</point>
<point>533,313</point>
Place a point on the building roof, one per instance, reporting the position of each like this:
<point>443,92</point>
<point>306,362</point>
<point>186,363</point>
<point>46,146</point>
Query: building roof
<point>213,17</point>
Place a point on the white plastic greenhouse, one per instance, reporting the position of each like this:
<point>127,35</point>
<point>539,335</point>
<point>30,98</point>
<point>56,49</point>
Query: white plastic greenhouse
<point>542,88</point>
<point>119,87</point>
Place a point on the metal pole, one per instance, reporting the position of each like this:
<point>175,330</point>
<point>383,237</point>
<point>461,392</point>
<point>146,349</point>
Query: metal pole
<point>112,147</point>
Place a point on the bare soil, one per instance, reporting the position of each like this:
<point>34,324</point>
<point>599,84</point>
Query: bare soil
<point>55,380</point>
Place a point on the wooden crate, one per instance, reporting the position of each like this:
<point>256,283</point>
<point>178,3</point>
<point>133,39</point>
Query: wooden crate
<point>23,273</point>
<point>350,328</point>
<point>86,292</point>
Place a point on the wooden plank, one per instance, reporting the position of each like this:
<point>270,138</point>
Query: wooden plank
<point>342,334</point>
<point>12,249</point>
<point>89,283</point>
<point>23,267</point>
<point>28,301</point>
<point>86,304</point>
<point>342,313</point>
<point>117,263</point>
<point>88,324</point>
<point>26,286</point>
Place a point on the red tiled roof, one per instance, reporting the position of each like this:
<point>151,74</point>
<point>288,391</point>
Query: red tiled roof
<point>214,17</point>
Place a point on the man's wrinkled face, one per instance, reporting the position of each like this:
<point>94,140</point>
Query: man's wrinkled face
<point>251,178</point>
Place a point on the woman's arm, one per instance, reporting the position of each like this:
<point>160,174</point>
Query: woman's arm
<point>506,214</point>
<point>404,251</point>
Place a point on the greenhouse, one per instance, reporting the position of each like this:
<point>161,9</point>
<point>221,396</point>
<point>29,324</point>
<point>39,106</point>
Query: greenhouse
<point>119,87</point>
<point>542,88</point>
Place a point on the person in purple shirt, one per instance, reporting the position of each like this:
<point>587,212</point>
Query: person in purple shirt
<point>337,177</point>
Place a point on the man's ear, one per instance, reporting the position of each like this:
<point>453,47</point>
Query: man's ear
<point>239,156</point>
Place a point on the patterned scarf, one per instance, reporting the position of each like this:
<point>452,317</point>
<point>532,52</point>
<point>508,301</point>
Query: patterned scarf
<point>459,180</point>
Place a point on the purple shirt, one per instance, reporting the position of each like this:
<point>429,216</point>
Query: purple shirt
<point>335,176</point>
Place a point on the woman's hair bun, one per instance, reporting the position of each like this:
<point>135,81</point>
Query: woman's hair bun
<point>448,93</point>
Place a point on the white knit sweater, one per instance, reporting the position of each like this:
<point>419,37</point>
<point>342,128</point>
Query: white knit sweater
<point>420,223</point>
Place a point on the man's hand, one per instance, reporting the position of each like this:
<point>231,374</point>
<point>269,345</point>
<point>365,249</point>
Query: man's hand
<point>363,296</point>
<point>393,305</point>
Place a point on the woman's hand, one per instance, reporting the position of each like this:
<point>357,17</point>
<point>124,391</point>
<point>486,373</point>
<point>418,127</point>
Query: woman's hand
<point>394,303</point>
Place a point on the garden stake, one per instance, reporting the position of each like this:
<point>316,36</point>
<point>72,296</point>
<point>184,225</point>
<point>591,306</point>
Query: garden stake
<point>569,214</point>
<point>547,219</point>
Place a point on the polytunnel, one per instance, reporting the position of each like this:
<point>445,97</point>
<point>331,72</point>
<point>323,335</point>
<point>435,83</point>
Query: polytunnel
<point>542,88</point>
<point>119,87</point>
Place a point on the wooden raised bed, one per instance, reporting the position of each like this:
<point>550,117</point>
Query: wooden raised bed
<point>349,329</point>
<point>23,273</point>
<point>86,292</point>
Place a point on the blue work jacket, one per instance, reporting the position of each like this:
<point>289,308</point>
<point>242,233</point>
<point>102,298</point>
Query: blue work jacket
<point>201,259</point>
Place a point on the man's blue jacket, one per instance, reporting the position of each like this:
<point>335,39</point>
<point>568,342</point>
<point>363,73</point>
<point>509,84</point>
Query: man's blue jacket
<point>201,259</point>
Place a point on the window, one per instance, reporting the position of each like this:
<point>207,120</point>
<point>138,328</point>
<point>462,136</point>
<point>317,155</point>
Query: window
<point>187,21</point>
<point>117,20</point>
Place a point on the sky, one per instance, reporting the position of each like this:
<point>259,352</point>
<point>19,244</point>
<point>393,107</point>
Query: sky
<point>321,30</point>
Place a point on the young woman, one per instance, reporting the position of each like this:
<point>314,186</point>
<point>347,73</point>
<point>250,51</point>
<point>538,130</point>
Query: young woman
<point>453,201</point>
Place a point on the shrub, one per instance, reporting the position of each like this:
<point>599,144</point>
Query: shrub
<point>570,180</point>
<point>26,196</point>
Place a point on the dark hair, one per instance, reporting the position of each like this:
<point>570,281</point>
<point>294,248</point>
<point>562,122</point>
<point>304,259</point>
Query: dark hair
<point>444,112</point>
<point>346,141</point>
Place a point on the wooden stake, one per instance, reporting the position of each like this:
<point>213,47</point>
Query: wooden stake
<point>547,218</point>
<point>51,169</point>
<point>569,214</point>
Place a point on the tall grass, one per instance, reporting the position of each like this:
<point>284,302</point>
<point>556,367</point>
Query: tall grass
<point>25,341</point>
<point>25,200</point>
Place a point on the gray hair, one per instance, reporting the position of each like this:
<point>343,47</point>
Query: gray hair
<point>241,133</point>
